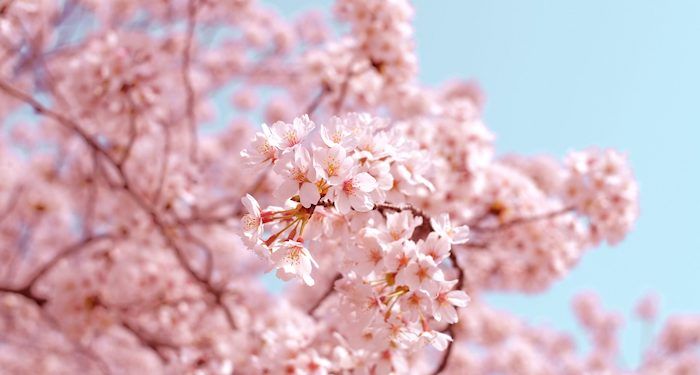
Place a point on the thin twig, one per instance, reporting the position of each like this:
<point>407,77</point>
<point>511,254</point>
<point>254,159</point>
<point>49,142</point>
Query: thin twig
<point>311,108</point>
<point>187,80</point>
<point>66,252</point>
<point>326,294</point>
<point>521,220</point>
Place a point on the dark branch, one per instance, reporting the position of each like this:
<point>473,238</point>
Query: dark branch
<point>187,80</point>
<point>521,221</point>
<point>326,294</point>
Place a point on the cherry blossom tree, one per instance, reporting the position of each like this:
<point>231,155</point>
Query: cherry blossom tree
<point>135,226</point>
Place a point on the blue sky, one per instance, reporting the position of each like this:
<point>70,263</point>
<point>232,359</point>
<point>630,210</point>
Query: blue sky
<point>562,75</point>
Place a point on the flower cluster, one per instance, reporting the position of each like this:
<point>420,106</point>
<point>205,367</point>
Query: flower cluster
<point>602,187</point>
<point>372,62</point>
<point>397,289</point>
<point>350,163</point>
<point>383,31</point>
<point>118,162</point>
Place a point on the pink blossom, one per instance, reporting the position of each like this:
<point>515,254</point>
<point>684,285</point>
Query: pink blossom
<point>445,303</point>
<point>252,221</point>
<point>285,136</point>
<point>300,175</point>
<point>293,260</point>
<point>420,273</point>
<point>442,226</point>
<point>264,152</point>
<point>354,193</point>
<point>435,246</point>
<point>332,164</point>
<point>438,340</point>
<point>416,304</point>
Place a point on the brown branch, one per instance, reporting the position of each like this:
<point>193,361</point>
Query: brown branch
<point>160,225</point>
<point>338,105</point>
<point>164,164</point>
<point>383,207</point>
<point>152,343</point>
<point>325,295</point>
<point>450,329</point>
<point>26,293</point>
<point>62,120</point>
<point>521,220</point>
<point>133,133</point>
<point>66,252</point>
<point>422,230</point>
<point>187,80</point>
<point>311,108</point>
<point>208,254</point>
<point>91,203</point>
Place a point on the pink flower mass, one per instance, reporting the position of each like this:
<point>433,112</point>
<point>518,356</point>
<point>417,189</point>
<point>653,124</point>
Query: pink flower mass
<point>134,235</point>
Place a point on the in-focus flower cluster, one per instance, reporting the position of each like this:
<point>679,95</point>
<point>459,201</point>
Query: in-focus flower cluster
<point>395,294</point>
<point>352,163</point>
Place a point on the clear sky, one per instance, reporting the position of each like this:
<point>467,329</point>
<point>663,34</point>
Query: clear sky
<point>562,75</point>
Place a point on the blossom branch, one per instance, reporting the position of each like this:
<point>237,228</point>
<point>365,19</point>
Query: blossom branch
<point>421,231</point>
<point>66,252</point>
<point>157,221</point>
<point>522,220</point>
<point>77,346</point>
<point>450,329</point>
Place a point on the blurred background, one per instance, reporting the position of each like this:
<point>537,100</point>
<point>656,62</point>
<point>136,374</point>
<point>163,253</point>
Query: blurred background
<point>569,75</point>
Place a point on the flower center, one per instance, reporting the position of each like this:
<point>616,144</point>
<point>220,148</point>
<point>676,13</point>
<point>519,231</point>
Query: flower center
<point>250,222</point>
<point>291,138</point>
<point>349,187</point>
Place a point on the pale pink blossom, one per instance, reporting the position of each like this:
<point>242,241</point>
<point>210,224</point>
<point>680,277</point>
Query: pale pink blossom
<point>263,152</point>
<point>421,273</point>
<point>416,305</point>
<point>436,339</point>
<point>285,135</point>
<point>446,302</point>
<point>300,175</point>
<point>442,226</point>
<point>293,260</point>
<point>435,246</point>
<point>354,193</point>
<point>252,221</point>
<point>332,164</point>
